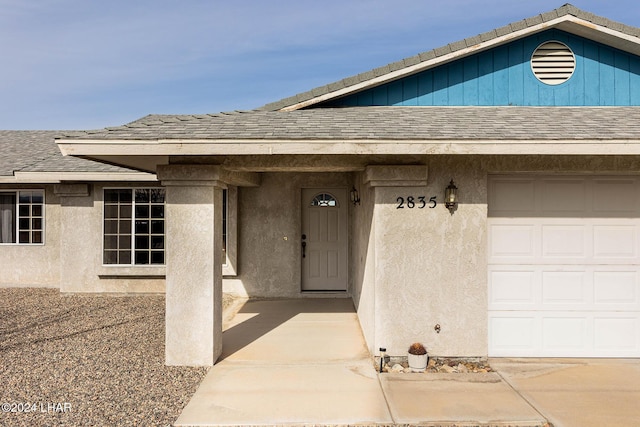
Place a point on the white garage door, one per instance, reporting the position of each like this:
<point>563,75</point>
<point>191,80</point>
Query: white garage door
<point>564,266</point>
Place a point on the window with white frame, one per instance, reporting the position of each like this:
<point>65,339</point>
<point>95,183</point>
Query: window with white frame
<point>134,226</point>
<point>230,231</point>
<point>22,217</point>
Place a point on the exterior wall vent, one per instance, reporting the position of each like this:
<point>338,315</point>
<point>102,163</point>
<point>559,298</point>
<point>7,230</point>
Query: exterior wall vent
<point>553,63</point>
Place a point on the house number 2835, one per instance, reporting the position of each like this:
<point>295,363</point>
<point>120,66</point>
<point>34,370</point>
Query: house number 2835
<point>419,202</point>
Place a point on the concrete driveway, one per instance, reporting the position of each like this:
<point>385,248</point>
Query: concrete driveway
<point>305,362</point>
<point>577,392</point>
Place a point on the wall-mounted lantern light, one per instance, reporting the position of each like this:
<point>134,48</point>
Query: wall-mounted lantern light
<point>355,196</point>
<point>451,197</point>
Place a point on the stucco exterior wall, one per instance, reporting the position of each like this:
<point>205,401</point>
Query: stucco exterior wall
<point>71,257</point>
<point>431,265</point>
<point>363,260</point>
<point>423,268</point>
<point>34,265</point>
<point>410,269</point>
<point>81,268</point>
<point>269,249</point>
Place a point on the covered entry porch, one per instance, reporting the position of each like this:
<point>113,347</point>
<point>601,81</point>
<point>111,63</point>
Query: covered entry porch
<point>283,220</point>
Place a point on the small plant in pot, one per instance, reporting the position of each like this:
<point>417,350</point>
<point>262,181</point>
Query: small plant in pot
<point>417,357</point>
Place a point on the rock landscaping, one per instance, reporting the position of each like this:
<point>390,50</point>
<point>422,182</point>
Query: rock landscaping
<point>82,360</point>
<point>441,365</point>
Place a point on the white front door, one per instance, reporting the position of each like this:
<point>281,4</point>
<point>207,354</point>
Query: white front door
<point>324,237</point>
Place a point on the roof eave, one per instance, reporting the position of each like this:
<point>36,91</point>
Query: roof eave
<point>129,154</point>
<point>58,177</point>
<point>110,152</point>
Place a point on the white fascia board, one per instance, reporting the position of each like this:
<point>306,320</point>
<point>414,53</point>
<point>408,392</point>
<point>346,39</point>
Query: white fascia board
<point>478,147</point>
<point>354,147</point>
<point>82,147</point>
<point>57,177</point>
<point>605,35</point>
<point>432,63</point>
<point>559,148</point>
<point>7,179</point>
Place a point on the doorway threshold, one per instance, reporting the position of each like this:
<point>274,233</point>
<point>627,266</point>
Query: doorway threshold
<point>325,294</point>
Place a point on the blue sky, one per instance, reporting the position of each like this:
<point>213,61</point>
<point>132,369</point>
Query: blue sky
<point>84,64</point>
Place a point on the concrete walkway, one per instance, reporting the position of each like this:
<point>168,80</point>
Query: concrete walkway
<point>290,362</point>
<point>304,361</point>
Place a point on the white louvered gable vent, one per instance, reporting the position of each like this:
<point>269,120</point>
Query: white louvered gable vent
<point>553,63</point>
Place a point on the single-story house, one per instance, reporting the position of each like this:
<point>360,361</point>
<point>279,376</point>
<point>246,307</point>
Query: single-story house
<point>51,218</point>
<point>482,198</point>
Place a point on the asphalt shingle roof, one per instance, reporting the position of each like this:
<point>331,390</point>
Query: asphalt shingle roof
<point>36,151</point>
<point>387,123</point>
<point>567,9</point>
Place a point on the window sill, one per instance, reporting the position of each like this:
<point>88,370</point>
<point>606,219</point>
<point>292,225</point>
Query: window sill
<point>133,272</point>
<point>228,271</point>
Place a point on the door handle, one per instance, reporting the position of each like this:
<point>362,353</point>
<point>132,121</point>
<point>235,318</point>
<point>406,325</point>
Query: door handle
<point>304,246</point>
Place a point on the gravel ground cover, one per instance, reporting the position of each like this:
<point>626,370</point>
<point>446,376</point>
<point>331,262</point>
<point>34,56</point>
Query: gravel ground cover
<point>79,360</point>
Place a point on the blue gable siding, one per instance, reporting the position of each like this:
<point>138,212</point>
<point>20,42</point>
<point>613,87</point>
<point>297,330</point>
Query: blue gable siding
<point>503,76</point>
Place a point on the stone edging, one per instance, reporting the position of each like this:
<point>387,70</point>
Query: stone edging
<point>449,365</point>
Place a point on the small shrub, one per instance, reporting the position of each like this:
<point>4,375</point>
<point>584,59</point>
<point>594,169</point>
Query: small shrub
<point>417,349</point>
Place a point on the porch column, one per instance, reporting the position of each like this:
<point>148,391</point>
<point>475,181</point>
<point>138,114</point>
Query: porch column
<point>194,264</point>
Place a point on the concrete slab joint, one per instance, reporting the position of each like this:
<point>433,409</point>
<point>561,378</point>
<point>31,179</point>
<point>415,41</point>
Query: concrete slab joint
<point>396,176</point>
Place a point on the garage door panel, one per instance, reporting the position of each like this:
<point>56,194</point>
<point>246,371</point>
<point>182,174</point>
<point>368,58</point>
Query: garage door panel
<point>564,277</point>
<point>586,197</point>
<point>514,333</point>
<point>616,332</point>
<point>566,241</point>
<point>615,197</point>
<point>615,241</point>
<point>564,287</point>
<point>564,333</point>
<point>594,241</point>
<point>556,287</point>
<point>512,241</point>
<point>512,197</point>
<point>563,197</point>
<point>620,289</point>
<point>575,334</point>
<point>512,288</point>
